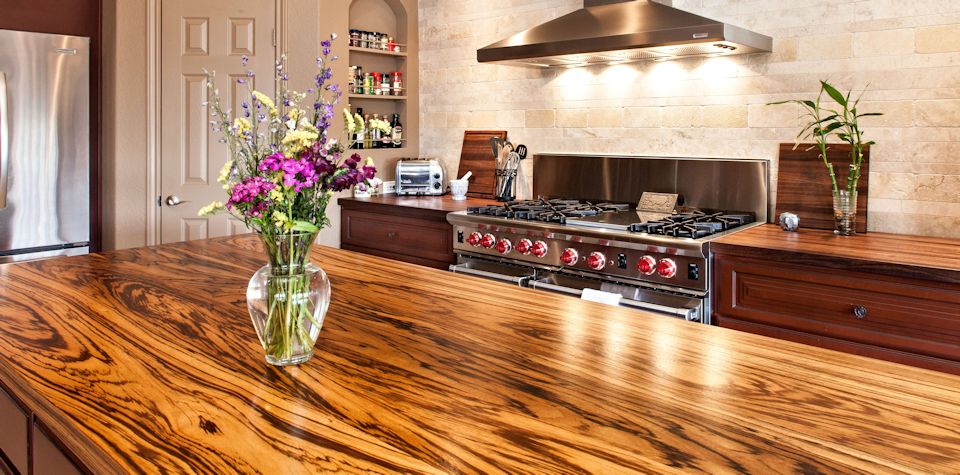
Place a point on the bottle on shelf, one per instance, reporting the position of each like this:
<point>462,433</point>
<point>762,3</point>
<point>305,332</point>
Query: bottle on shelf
<point>397,89</point>
<point>367,83</point>
<point>391,45</point>
<point>358,80</point>
<point>367,132</point>
<point>386,86</point>
<point>377,83</point>
<point>397,134</point>
<point>375,134</point>
<point>361,132</point>
<point>384,41</point>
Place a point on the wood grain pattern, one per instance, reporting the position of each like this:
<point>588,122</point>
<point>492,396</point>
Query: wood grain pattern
<point>477,156</point>
<point>145,360</point>
<point>441,204</point>
<point>897,255</point>
<point>804,187</point>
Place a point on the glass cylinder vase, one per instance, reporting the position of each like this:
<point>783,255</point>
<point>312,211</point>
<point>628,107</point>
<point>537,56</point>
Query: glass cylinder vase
<point>288,298</point>
<point>845,213</point>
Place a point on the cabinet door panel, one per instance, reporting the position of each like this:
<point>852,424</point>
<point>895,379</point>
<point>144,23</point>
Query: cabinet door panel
<point>48,459</point>
<point>904,315</point>
<point>397,234</point>
<point>13,436</point>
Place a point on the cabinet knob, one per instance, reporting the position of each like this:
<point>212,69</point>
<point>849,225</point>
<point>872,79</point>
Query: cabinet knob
<point>392,235</point>
<point>860,311</point>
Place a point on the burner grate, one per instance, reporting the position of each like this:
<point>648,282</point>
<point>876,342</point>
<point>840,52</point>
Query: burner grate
<point>695,224</point>
<point>550,211</point>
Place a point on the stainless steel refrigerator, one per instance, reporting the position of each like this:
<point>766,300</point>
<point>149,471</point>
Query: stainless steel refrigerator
<point>44,145</point>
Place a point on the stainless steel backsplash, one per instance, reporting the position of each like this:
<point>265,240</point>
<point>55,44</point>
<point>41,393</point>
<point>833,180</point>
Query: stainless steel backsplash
<point>727,184</point>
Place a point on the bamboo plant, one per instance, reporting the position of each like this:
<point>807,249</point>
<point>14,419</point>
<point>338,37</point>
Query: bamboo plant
<point>841,121</point>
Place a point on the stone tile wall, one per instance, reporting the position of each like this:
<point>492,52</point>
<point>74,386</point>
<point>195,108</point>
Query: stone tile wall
<point>907,54</point>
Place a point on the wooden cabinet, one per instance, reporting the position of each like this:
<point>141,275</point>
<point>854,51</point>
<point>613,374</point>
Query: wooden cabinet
<point>872,308</point>
<point>14,436</point>
<point>410,229</point>
<point>25,442</point>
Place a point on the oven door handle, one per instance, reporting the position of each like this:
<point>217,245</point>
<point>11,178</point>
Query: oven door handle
<point>690,314</point>
<point>463,269</point>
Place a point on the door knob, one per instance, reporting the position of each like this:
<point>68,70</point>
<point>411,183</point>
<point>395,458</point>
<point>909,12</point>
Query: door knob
<point>172,201</point>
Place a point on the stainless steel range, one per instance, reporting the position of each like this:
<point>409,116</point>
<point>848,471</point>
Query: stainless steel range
<point>585,237</point>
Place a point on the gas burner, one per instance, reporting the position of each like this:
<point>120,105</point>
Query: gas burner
<point>549,211</point>
<point>694,224</point>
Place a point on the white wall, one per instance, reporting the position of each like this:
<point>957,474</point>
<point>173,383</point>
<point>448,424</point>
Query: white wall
<point>908,53</point>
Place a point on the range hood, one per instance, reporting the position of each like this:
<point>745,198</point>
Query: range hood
<point>622,31</point>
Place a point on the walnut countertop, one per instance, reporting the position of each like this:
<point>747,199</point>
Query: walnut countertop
<point>144,360</point>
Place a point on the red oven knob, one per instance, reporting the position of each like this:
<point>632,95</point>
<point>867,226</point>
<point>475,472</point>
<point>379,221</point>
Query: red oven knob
<point>647,265</point>
<point>474,239</point>
<point>539,249</point>
<point>524,246</point>
<point>597,261</point>
<point>569,256</point>
<point>504,246</point>
<point>488,241</point>
<point>667,268</point>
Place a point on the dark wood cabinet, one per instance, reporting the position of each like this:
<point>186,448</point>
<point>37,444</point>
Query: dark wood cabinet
<point>872,308</point>
<point>26,446</point>
<point>409,229</point>
<point>15,434</point>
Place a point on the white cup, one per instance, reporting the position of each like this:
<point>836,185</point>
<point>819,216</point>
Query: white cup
<point>459,189</point>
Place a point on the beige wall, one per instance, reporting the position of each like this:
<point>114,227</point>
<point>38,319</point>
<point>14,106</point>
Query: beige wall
<point>908,53</point>
<point>125,166</point>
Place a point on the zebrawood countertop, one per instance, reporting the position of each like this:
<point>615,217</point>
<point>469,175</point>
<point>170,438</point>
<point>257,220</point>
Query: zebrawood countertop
<point>893,254</point>
<point>145,360</point>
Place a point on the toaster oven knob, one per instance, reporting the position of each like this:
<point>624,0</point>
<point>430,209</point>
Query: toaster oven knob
<point>474,239</point>
<point>504,246</point>
<point>524,246</point>
<point>539,249</point>
<point>569,256</point>
<point>597,261</point>
<point>647,265</point>
<point>667,268</point>
<point>488,241</point>
<point>436,186</point>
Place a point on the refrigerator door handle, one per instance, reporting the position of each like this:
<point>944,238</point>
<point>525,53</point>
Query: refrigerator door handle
<point>4,141</point>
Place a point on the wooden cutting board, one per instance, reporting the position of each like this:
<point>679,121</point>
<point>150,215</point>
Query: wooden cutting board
<point>477,156</point>
<point>804,188</point>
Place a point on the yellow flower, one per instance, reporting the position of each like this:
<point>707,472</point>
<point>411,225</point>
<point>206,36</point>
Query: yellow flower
<point>295,114</point>
<point>348,122</point>
<point>225,172</point>
<point>281,220</point>
<point>277,196</point>
<point>242,125</point>
<point>211,208</point>
<point>359,121</point>
<point>266,101</point>
<point>297,140</point>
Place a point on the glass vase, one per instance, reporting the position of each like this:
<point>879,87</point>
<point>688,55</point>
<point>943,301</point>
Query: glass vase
<point>288,298</point>
<point>845,213</point>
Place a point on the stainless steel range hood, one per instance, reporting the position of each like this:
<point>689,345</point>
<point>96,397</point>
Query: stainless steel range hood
<point>622,31</point>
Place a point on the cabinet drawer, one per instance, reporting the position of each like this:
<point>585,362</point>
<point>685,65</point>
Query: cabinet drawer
<point>421,238</point>
<point>48,458</point>
<point>901,314</point>
<point>13,436</point>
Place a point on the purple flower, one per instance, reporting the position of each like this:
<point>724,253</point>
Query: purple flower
<point>244,59</point>
<point>326,44</point>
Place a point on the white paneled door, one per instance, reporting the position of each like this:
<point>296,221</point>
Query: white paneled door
<point>198,35</point>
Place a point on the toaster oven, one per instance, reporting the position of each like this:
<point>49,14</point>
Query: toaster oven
<point>419,177</point>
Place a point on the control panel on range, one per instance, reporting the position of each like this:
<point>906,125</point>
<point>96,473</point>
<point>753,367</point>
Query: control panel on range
<point>647,265</point>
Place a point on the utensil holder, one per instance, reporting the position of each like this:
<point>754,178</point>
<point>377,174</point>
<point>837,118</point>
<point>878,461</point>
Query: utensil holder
<point>506,184</point>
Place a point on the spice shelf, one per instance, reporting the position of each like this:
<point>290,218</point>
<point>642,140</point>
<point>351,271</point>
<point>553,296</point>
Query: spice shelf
<point>377,52</point>
<point>376,97</point>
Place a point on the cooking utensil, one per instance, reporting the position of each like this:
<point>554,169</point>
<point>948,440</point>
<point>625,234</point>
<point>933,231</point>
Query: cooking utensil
<point>496,143</point>
<point>522,151</point>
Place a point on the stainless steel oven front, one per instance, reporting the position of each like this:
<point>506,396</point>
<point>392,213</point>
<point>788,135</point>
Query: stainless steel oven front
<point>676,303</point>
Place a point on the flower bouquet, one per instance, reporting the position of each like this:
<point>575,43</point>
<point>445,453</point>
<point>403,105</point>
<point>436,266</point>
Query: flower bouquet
<point>283,170</point>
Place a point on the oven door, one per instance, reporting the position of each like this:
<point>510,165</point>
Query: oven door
<point>677,306</point>
<point>518,275</point>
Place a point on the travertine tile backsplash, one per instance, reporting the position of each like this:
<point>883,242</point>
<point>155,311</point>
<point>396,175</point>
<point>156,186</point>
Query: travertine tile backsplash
<point>908,53</point>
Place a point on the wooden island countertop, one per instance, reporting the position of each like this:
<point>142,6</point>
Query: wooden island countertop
<point>145,360</point>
